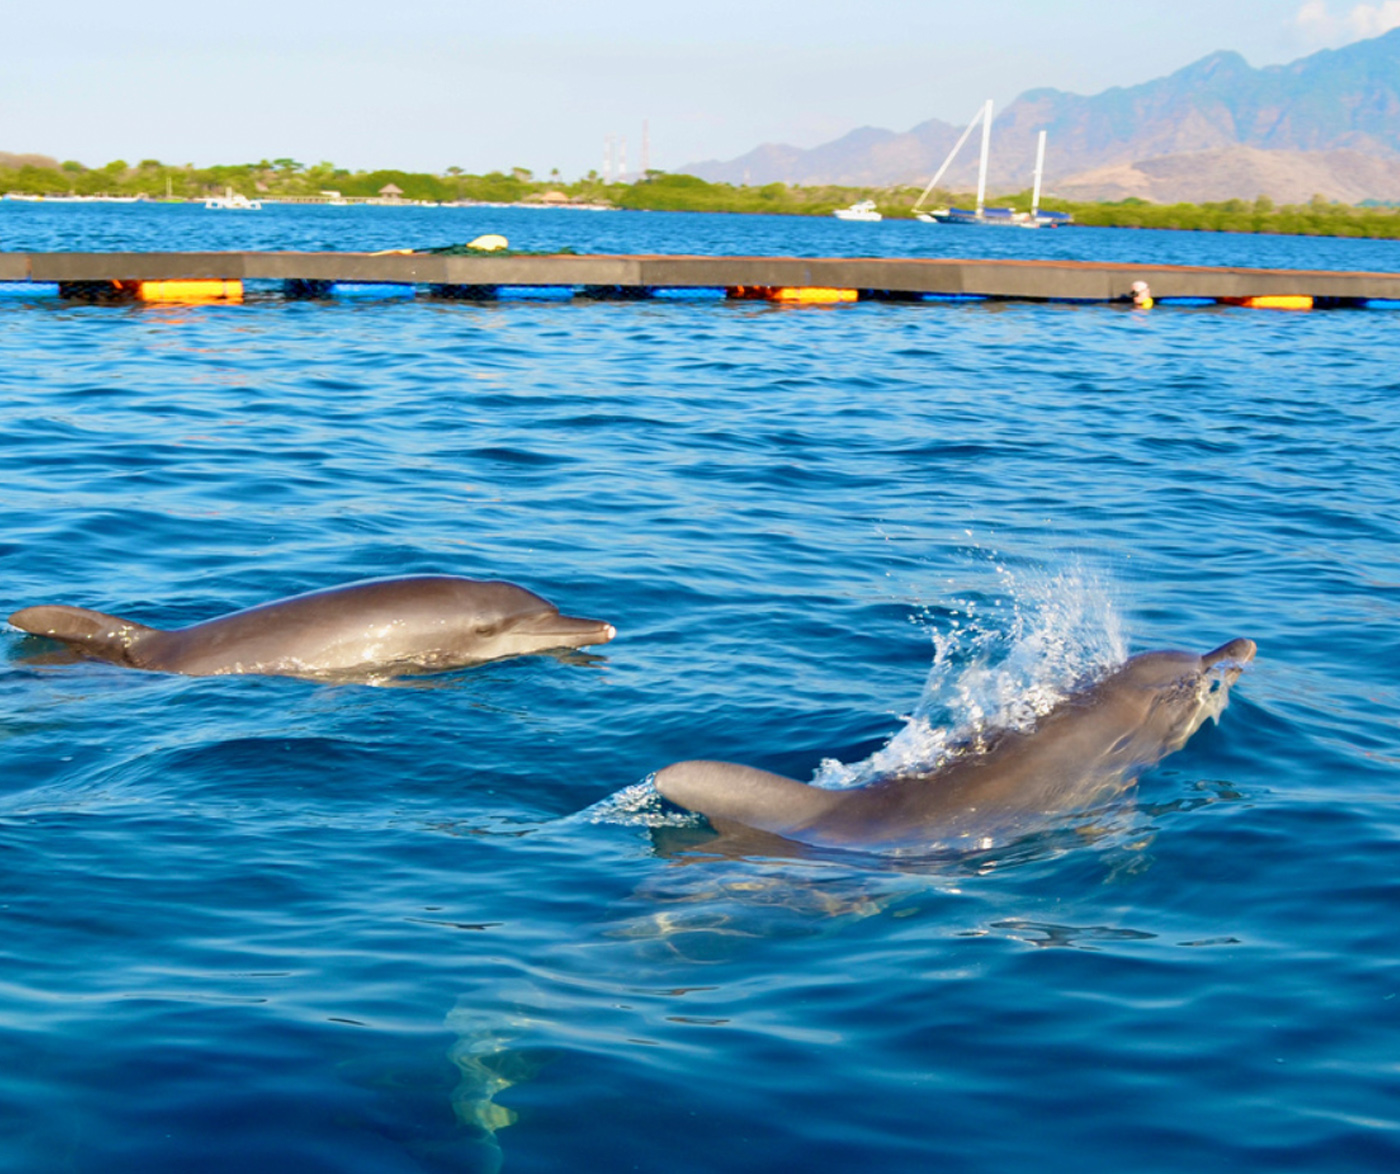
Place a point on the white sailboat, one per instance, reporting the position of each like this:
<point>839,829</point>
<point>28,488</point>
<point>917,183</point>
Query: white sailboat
<point>982,215</point>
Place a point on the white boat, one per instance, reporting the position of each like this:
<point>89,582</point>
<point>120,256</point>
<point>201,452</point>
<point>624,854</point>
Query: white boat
<point>233,201</point>
<point>865,210</point>
<point>982,215</point>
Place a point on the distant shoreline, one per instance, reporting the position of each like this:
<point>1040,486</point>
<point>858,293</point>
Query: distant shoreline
<point>286,181</point>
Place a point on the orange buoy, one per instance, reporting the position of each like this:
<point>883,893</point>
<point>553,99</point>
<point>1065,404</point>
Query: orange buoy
<point>813,294</point>
<point>807,294</point>
<point>203,290</point>
<point>1274,302</point>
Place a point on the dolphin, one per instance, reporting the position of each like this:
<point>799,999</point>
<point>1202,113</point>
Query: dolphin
<point>1084,751</point>
<point>377,628</point>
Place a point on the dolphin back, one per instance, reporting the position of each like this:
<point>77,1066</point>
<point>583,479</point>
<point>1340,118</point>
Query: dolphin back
<point>93,633</point>
<point>726,792</point>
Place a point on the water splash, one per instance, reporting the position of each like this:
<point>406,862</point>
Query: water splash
<point>639,805</point>
<point>1001,661</point>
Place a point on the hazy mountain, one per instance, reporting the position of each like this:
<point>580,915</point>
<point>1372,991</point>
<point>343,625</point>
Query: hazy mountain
<point>1289,177</point>
<point>1336,105</point>
<point>17,161</point>
<point>868,157</point>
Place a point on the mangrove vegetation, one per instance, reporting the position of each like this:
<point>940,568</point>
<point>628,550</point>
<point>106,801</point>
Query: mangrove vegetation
<point>288,179</point>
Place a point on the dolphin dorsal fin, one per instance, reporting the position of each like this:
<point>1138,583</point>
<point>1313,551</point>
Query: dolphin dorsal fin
<point>93,633</point>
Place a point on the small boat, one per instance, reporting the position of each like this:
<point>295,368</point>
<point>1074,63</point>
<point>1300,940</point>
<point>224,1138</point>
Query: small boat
<point>864,210</point>
<point>981,215</point>
<point>233,201</point>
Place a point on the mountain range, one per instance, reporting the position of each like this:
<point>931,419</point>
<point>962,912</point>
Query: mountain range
<point>1325,124</point>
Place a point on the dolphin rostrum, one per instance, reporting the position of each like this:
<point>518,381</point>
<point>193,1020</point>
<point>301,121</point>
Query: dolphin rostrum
<point>378,628</point>
<point>1087,749</point>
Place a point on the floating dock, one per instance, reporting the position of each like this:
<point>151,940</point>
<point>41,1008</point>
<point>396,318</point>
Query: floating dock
<point>180,276</point>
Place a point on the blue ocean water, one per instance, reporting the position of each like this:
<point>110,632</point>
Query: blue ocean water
<point>30,227</point>
<point>441,926</point>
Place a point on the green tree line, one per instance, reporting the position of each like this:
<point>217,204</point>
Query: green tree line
<point>658,191</point>
<point>270,178</point>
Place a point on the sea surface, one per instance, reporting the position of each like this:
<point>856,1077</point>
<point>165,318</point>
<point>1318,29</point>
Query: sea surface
<point>153,227</point>
<point>445,924</point>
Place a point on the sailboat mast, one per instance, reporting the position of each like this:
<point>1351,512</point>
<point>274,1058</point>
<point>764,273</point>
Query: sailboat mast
<point>982,167</point>
<point>937,175</point>
<point>1039,171</point>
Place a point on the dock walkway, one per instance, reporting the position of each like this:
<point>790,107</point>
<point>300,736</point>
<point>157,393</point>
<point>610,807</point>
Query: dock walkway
<point>80,274</point>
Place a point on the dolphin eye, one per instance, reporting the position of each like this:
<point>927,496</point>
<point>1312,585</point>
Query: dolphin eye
<point>486,630</point>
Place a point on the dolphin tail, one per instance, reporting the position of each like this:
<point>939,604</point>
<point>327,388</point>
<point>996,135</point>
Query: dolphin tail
<point>93,633</point>
<point>725,792</point>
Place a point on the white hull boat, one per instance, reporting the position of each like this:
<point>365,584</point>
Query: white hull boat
<point>232,201</point>
<point>865,210</point>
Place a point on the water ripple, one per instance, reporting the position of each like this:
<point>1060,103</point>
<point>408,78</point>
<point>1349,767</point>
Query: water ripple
<point>447,924</point>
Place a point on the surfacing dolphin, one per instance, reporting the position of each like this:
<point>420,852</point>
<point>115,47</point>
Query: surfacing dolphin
<point>374,629</point>
<point>1087,749</point>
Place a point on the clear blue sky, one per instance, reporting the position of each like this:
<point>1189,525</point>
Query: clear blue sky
<point>428,84</point>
